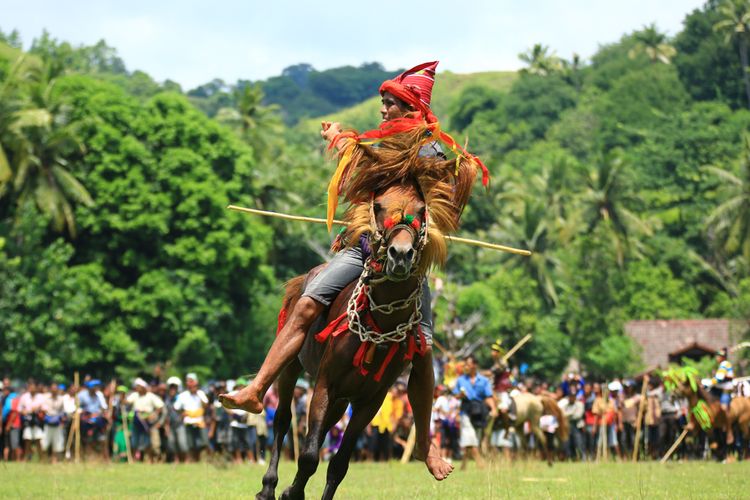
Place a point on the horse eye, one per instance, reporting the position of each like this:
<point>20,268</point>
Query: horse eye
<point>377,207</point>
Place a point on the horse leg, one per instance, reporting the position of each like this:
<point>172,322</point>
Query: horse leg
<point>339,464</point>
<point>541,438</point>
<point>281,422</point>
<point>323,410</point>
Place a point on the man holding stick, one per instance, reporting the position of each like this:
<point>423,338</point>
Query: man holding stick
<point>405,101</point>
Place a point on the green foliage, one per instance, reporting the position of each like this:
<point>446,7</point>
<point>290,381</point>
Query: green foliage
<point>703,368</point>
<point>300,91</point>
<point>175,275</point>
<point>677,376</point>
<point>708,67</point>
<point>652,292</point>
<point>615,355</point>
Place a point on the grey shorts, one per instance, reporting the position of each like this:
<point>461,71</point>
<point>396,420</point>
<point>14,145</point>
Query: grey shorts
<point>196,437</point>
<point>345,267</point>
<point>13,438</point>
<point>177,440</point>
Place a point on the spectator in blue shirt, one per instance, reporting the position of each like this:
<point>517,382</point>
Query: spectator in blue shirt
<point>477,402</point>
<point>93,419</point>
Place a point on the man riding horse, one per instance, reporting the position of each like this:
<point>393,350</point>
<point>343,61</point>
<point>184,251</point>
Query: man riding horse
<point>405,106</point>
<point>721,383</point>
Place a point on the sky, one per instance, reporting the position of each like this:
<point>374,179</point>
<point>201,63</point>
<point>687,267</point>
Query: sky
<point>194,42</point>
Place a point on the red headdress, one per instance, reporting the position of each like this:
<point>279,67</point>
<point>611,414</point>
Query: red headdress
<point>414,87</point>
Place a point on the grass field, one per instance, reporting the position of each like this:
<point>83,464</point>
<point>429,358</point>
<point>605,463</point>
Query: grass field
<point>384,481</point>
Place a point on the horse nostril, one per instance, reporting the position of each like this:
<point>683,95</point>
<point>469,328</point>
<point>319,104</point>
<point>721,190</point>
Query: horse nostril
<point>410,255</point>
<point>392,253</point>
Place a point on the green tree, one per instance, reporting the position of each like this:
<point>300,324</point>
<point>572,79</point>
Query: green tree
<point>533,229</point>
<point>707,69</point>
<point>735,24</point>
<point>42,138</point>
<point>654,44</point>
<point>541,61</point>
<point>607,204</point>
<point>729,223</point>
<point>258,125</point>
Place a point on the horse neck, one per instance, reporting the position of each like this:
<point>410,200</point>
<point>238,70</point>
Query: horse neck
<point>388,291</point>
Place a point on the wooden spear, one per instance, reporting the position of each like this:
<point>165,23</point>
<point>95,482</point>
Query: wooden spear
<point>641,408</point>
<point>315,220</point>
<point>76,381</point>
<point>674,446</point>
<point>516,347</point>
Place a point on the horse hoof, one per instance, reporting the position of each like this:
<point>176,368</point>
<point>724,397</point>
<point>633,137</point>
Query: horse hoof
<point>289,494</point>
<point>265,495</point>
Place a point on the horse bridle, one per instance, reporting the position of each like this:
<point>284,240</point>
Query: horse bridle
<point>380,238</point>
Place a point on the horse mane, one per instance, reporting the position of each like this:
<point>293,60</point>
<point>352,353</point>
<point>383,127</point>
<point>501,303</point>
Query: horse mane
<point>445,185</point>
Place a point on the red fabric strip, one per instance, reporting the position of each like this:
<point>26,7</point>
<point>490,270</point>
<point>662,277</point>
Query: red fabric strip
<point>335,328</point>
<point>281,321</point>
<point>359,358</point>
<point>386,361</point>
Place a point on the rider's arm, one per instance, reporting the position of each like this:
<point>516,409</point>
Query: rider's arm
<point>330,131</point>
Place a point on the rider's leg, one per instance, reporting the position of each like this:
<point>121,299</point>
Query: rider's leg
<point>319,293</point>
<point>725,400</point>
<point>421,393</point>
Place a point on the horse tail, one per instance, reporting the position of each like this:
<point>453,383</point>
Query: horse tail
<point>550,407</point>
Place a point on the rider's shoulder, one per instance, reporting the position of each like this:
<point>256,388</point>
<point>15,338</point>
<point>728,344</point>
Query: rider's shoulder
<point>432,150</point>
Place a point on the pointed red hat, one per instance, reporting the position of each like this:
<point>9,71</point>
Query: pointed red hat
<point>414,86</point>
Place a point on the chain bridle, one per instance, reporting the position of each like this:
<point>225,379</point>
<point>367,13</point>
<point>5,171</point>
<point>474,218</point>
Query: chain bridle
<point>374,272</point>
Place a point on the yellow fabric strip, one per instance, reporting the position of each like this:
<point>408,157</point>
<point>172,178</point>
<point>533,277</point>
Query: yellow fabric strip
<point>333,186</point>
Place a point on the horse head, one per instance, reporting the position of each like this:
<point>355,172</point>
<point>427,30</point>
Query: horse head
<point>400,230</point>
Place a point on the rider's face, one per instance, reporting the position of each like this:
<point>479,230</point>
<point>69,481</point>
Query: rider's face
<point>392,107</point>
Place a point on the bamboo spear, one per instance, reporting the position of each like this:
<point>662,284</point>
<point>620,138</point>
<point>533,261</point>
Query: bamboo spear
<point>315,220</point>
<point>516,347</point>
<point>641,408</point>
<point>674,446</point>
<point>76,381</point>
<point>126,430</point>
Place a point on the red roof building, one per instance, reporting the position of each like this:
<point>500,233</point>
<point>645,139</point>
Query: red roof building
<point>665,341</point>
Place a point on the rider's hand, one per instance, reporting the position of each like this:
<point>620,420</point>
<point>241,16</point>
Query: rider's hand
<point>330,130</point>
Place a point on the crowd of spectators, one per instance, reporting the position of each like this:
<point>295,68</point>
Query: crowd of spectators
<point>181,420</point>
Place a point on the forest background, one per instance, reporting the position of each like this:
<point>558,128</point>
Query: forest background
<point>628,176</point>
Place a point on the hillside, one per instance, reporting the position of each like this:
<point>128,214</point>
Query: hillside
<point>448,87</point>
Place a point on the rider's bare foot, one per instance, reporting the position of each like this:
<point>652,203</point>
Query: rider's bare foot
<point>244,399</point>
<point>439,468</point>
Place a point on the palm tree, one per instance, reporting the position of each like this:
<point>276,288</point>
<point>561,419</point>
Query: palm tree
<point>654,44</point>
<point>259,125</point>
<point>23,71</point>
<point>531,228</point>
<point>605,204</point>
<point>730,221</point>
<point>40,138</point>
<point>736,26</point>
<point>541,61</point>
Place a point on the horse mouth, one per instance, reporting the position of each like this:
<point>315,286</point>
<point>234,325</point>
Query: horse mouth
<point>400,274</point>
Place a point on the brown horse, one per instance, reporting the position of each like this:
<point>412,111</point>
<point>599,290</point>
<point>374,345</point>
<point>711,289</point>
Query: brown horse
<point>722,423</point>
<point>372,327</point>
<point>530,408</point>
